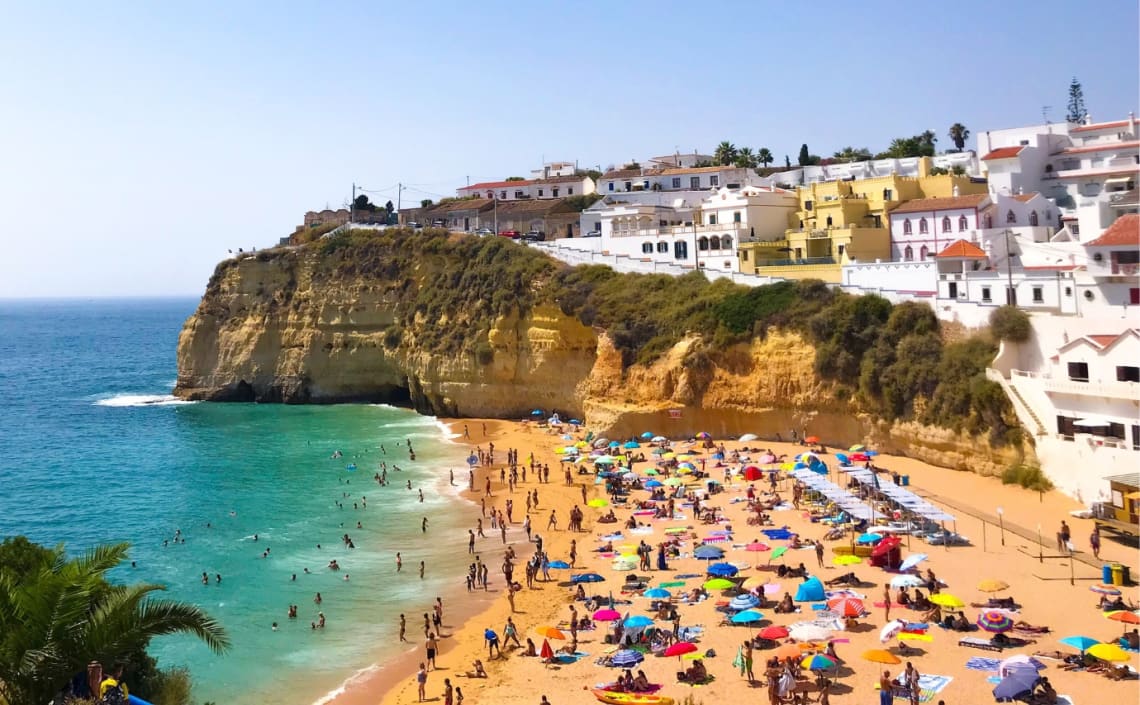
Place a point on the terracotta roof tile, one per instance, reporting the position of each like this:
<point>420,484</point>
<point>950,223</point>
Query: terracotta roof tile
<point>1099,126</point>
<point>1025,197</point>
<point>1004,153</point>
<point>1125,232</point>
<point>621,173</point>
<point>961,248</point>
<point>1107,146</point>
<point>495,184</point>
<point>918,205</point>
<point>1102,340</point>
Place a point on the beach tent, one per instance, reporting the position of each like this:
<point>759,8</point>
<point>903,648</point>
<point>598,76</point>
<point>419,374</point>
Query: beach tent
<point>811,590</point>
<point>753,473</point>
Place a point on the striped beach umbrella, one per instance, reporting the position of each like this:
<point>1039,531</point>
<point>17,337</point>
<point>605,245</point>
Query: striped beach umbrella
<point>1105,589</point>
<point>817,662</point>
<point>995,622</point>
<point>846,606</point>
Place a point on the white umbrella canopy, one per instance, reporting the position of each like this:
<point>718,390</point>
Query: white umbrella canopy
<point>900,581</point>
<point>749,437</point>
<point>809,632</point>
<point>890,630</point>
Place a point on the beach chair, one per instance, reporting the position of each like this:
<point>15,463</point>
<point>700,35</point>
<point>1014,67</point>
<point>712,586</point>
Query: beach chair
<point>974,642</point>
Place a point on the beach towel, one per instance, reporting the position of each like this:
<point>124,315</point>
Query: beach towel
<point>570,658</point>
<point>981,663</point>
<point>928,687</point>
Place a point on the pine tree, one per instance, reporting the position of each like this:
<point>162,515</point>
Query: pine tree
<point>1076,102</point>
<point>805,155</point>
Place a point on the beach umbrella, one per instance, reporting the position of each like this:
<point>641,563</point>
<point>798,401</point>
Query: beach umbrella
<point>756,547</point>
<point>1123,616</point>
<point>911,561</point>
<point>890,630</point>
<point>856,448</point>
<point>719,584</point>
<point>586,578</point>
<point>753,473</point>
<point>773,632</point>
<point>945,599</point>
<point>654,484</point>
<point>809,632</point>
<point>601,442</point>
<point>614,444</point>
<point>1108,652</point>
<point>722,570</point>
<point>860,457</point>
<point>1080,643</point>
<point>624,563</point>
<point>849,559</point>
<point>869,538</point>
<point>558,565</point>
<point>536,412</point>
<point>599,502</point>
<point>842,458</point>
<point>637,621</point>
<point>744,602</point>
<point>657,593</point>
<point>746,617</point>
<point>704,435</point>
<point>626,658</point>
<point>817,662</point>
<point>549,632</point>
<point>547,653</point>
<point>749,437</point>
<point>647,435</point>
<point>708,553</point>
<point>846,606</point>
<point>755,582</point>
<point>778,552</point>
<point>788,651</point>
<point>681,648</point>
<point>1019,662</point>
<point>908,581</point>
<point>1015,685</point>
<point>672,481</point>
<point>881,656</point>
<point>659,439</point>
<point>631,445</point>
<point>993,585</point>
<point>995,622</point>
<point>472,459</point>
<point>607,615</point>
<point>1104,589</point>
<point>575,422</point>
<point>812,439</point>
<point>651,471</point>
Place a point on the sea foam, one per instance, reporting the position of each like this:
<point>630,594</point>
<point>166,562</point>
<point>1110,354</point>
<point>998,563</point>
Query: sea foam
<point>141,400</point>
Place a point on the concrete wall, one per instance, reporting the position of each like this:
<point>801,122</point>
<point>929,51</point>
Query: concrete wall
<point>902,276</point>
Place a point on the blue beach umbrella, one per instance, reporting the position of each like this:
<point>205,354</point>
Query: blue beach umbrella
<point>472,459</point>
<point>744,602</point>
<point>575,422</point>
<point>615,444</point>
<point>869,538</point>
<point>586,578</point>
<point>626,658</point>
<point>746,617</point>
<point>722,570</point>
<point>658,593</point>
<point>870,453</point>
<point>536,412</point>
<point>558,565</point>
<point>647,435</point>
<point>708,553</point>
<point>654,484</point>
<point>1081,643</point>
<point>1016,684</point>
<point>631,445</point>
<point>637,621</point>
<point>842,458</point>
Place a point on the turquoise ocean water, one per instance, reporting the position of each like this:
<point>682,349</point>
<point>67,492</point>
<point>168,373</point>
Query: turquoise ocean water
<point>93,449</point>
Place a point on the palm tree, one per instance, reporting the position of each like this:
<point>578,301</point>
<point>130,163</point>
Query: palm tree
<point>745,158</point>
<point>958,135</point>
<point>928,138</point>
<point>65,614</point>
<point>853,154</point>
<point>764,156</point>
<point>725,153</point>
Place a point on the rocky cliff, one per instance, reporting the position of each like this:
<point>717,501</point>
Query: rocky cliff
<point>282,328</point>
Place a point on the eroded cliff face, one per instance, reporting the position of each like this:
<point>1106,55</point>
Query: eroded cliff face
<point>273,331</point>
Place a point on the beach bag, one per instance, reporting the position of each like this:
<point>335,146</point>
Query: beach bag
<point>114,696</point>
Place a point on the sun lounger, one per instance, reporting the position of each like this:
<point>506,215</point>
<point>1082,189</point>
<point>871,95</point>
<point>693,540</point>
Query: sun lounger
<point>976,643</point>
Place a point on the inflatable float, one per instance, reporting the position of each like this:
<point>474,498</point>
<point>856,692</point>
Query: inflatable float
<point>616,698</point>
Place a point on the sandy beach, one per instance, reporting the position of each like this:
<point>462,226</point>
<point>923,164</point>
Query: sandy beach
<point>1039,580</point>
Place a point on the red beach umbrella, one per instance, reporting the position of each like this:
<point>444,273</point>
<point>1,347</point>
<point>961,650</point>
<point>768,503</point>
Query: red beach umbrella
<point>547,652</point>
<point>681,648</point>
<point>774,632</point>
<point>753,473</point>
<point>846,606</point>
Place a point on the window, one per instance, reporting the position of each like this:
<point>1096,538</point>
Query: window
<point>924,253</point>
<point>629,186</point>
<point>953,290</point>
<point>503,195</point>
<point>714,180</point>
<point>662,247</point>
<point>676,182</point>
<point>680,250</point>
<point>736,217</point>
<point>1079,371</point>
<point>989,221</point>
<point>829,221</point>
<point>1010,217</point>
<point>987,296</point>
<point>906,227</point>
<point>962,223</point>
<point>645,184</point>
<point>888,194</point>
<point>908,254</point>
<point>1068,291</point>
<point>725,242</point>
<point>569,191</point>
<point>702,243</point>
<point>611,186</point>
<point>714,243</point>
<point>1033,218</point>
<point>1038,295</point>
<point>945,223</point>
<point>712,219</point>
<point>922,227</point>
<point>841,247</point>
<point>694,182</point>
<point>647,248</point>
<point>1127,373</point>
<point>519,194</point>
<point>808,205</point>
<point>744,255</point>
<point>540,193</point>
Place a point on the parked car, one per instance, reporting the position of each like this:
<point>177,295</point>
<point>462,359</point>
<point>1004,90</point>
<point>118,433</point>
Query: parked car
<point>593,233</point>
<point>484,232</point>
<point>415,225</point>
<point>943,538</point>
<point>534,236</point>
<point>512,234</point>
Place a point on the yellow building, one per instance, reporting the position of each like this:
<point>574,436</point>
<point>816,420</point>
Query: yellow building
<point>843,221</point>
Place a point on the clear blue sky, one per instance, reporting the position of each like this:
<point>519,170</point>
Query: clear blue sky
<point>139,141</point>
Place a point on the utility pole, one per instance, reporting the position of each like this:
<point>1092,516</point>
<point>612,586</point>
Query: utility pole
<point>1010,294</point>
<point>495,198</point>
<point>352,205</point>
<point>399,194</point>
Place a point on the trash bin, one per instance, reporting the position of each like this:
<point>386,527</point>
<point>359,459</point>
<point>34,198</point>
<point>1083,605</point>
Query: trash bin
<point>905,480</point>
<point>1106,574</point>
<point>1117,574</point>
<point>1125,577</point>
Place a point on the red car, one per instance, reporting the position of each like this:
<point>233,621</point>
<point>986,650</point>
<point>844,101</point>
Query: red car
<point>512,234</point>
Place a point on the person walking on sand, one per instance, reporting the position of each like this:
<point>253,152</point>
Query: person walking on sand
<point>819,552</point>
<point>910,679</point>
<point>886,602</point>
<point>448,696</point>
<point>1063,536</point>
<point>431,645</point>
<point>885,686</point>
<point>1094,541</point>
<point>421,682</point>
<point>553,520</point>
<point>403,628</point>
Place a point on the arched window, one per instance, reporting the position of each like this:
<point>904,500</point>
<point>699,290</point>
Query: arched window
<point>945,223</point>
<point>1011,217</point>
<point>923,253</point>
<point>1033,218</point>
<point>647,248</point>
<point>906,227</point>
<point>703,243</point>
<point>908,254</point>
<point>663,247</point>
<point>962,223</point>
<point>726,243</point>
<point>922,227</point>
<point>714,243</point>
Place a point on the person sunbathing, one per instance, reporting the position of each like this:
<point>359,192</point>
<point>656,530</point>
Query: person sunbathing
<point>631,523</point>
<point>696,673</point>
<point>921,602</point>
<point>845,579</point>
<point>580,593</point>
<point>904,597</point>
<point>961,624</point>
<point>641,683</point>
<point>786,605</point>
<point>608,547</point>
<point>934,614</point>
<point>1043,693</point>
<point>1132,639</point>
<point>608,518</point>
<point>530,650</point>
<point>479,671</point>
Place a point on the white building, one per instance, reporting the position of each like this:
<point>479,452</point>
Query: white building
<point>699,234</point>
<point>675,179</point>
<point>554,169</point>
<point>517,190</point>
<point>678,160</point>
<point>907,166</point>
<point>591,218</point>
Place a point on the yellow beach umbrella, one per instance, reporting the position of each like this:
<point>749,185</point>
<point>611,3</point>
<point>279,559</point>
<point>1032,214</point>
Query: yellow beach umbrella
<point>849,559</point>
<point>669,456</point>
<point>856,448</point>
<point>787,467</point>
<point>993,585</point>
<point>599,502</point>
<point>1108,652</point>
<point>756,581</point>
<point>945,599</point>
<point>881,656</point>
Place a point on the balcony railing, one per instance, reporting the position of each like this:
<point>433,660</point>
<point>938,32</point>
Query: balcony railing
<point>1108,390</point>
<point>794,262</point>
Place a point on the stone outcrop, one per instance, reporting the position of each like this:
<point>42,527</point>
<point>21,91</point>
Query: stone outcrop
<point>273,329</point>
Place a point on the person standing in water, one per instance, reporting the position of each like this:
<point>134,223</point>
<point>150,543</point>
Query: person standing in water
<point>399,562</point>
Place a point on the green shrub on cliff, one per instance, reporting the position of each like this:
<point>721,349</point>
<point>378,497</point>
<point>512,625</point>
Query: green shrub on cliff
<point>1010,323</point>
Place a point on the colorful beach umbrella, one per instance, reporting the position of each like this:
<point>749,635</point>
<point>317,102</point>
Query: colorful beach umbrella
<point>704,435</point>
<point>549,632</point>
<point>856,448</point>
<point>681,648</point>
<point>1080,643</point>
<point>881,656</point>
<point>672,481</point>
<point>746,617</point>
<point>756,547</point>
<point>890,630</point>
<point>719,584</point>
<point>778,552</point>
<point>637,621</point>
<point>654,484</point>
<point>846,606</point>
<point>586,578</point>
<point>773,632</point>
<point>993,585</point>
<point>817,662</point>
<point>626,658</point>
<point>743,602</point>
<point>945,599</point>
<point>848,559</point>
<point>1123,616</point>
<point>995,622</point>
<point>1105,589</point>
<point>607,615</point>
<point>787,651</point>
<point>1108,652</point>
<point>1016,685</point>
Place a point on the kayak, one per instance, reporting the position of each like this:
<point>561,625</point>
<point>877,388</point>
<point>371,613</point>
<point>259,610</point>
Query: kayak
<point>615,698</point>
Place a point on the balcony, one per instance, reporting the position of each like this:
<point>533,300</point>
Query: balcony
<point>1092,388</point>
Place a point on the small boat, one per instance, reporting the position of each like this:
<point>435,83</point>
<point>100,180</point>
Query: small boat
<point>616,698</point>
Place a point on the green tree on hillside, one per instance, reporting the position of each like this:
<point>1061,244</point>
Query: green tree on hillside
<point>764,156</point>
<point>805,155</point>
<point>426,203</point>
<point>852,154</point>
<point>1076,107</point>
<point>58,614</point>
<point>389,207</point>
<point>725,153</point>
<point>921,145</point>
<point>745,159</point>
<point>959,133</point>
<point>361,203</point>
